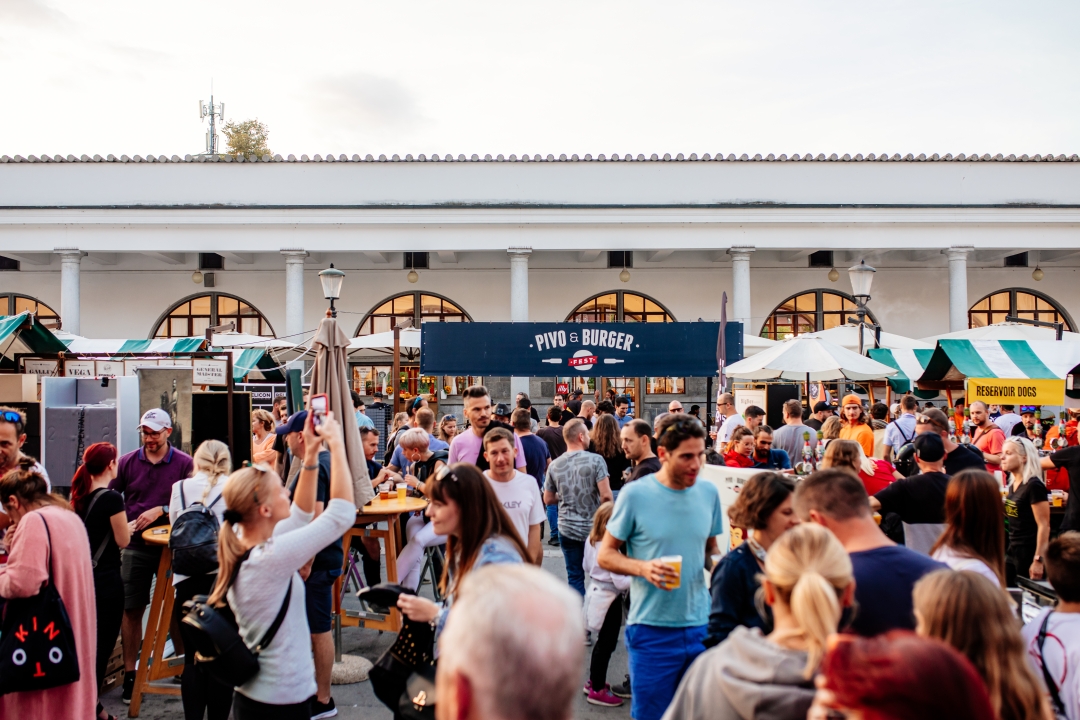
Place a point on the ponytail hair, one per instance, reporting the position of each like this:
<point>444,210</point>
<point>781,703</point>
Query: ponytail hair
<point>245,491</point>
<point>810,571</point>
<point>212,457</point>
<point>95,460</point>
<point>29,486</point>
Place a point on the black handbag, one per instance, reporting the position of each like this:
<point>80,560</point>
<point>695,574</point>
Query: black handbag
<point>220,652</point>
<point>413,651</point>
<point>38,647</point>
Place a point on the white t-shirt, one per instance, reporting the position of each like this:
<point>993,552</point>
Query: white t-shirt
<point>1062,653</point>
<point>521,499</point>
<point>956,561</point>
<point>726,430</point>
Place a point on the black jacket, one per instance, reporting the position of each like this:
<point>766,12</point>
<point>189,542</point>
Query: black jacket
<point>733,586</point>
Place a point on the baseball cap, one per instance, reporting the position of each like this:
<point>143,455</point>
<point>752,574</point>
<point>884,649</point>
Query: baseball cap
<point>822,405</point>
<point>295,423</point>
<point>851,400</point>
<point>929,447</point>
<point>502,409</point>
<point>156,419</point>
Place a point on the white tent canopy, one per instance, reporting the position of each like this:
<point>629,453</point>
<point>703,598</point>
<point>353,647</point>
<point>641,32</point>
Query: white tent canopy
<point>808,358</point>
<point>753,344</point>
<point>847,336</point>
<point>1006,331</point>
<point>410,338</point>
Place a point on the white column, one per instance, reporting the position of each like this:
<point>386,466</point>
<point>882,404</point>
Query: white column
<point>294,291</point>
<point>519,303</point>
<point>740,287</point>
<point>70,260</point>
<point>958,292</point>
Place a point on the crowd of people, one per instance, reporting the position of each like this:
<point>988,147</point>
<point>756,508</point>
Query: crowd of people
<point>871,577</point>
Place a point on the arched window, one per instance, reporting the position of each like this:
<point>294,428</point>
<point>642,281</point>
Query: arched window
<point>1017,302</point>
<point>809,312</point>
<point>194,314</point>
<point>620,306</point>
<point>420,306</point>
<point>13,304</point>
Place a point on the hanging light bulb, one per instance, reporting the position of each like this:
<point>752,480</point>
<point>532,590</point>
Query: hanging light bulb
<point>196,277</point>
<point>1037,275</point>
<point>624,275</point>
<point>413,276</point>
<point>834,275</point>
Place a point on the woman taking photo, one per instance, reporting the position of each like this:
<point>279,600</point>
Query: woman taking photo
<point>741,448</point>
<point>876,475</point>
<point>200,694</point>
<point>606,443</point>
<point>807,584</point>
<point>46,541</point>
<point>975,617</point>
<point>102,512</point>
<point>855,425</point>
<point>763,508</point>
<point>974,537</point>
<point>262,437</point>
<point>1028,509</point>
<point>278,539</point>
<point>478,532</point>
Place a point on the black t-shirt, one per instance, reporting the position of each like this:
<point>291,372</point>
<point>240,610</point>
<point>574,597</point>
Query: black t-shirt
<point>99,526</point>
<point>1023,529</point>
<point>917,499</point>
<point>615,466</point>
<point>574,406</point>
<point>332,556</point>
<point>567,416</point>
<point>554,438</point>
<point>1069,458</point>
<point>884,579</point>
<point>963,458</point>
<point>814,423</point>
<point>648,466</point>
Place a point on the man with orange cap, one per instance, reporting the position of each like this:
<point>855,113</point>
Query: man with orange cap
<point>855,425</point>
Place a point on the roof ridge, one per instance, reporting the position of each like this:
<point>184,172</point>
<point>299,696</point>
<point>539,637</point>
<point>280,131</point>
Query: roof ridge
<point>588,157</point>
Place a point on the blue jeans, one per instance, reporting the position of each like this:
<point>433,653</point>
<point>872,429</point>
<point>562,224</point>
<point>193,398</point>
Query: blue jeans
<point>574,554</point>
<point>659,656</point>
<point>553,520</point>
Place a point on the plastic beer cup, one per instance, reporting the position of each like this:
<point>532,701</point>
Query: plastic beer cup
<point>675,562</point>
<point>402,490</point>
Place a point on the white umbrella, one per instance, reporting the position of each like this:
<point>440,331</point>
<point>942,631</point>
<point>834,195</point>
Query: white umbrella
<point>1006,331</point>
<point>410,338</point>
<point>753,344</point>
<point>243,340</point>
<point>808,359</point>
<point>847,336</point>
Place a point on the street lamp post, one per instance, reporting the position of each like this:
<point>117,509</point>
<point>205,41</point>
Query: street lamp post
<point>331,279</point>
<point>862,277</point>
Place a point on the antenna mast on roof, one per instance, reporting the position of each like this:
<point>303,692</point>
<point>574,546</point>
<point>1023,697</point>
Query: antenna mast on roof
<point>214,112</point>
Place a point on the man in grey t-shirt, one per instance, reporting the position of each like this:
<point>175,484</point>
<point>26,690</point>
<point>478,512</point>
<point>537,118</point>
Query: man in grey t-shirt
<point>577,481</point>
<point>792,436</point>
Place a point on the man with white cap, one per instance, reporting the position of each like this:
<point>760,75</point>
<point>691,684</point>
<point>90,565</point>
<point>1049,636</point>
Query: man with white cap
<point>145,478</point>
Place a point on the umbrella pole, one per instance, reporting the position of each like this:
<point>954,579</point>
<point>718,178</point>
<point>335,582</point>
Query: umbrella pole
<point>397,370</point>
<point>809,407</point>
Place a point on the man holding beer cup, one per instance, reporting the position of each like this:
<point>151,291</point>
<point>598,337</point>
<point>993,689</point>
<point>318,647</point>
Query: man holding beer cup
<point>669,523</point>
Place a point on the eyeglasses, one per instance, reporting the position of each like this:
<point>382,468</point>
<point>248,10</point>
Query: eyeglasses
<point>11,416</point>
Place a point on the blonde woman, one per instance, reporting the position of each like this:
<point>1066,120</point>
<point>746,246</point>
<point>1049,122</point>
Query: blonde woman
<point>1028,509</point>
<point>212,467</point>
<point>973,615</point>
<point>271,539</point>
<point>830,429</point>
<point>807,583</point>
<point>262,437</point>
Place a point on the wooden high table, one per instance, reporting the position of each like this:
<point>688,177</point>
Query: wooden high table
<point>153,666</point>
<point>390,512</point>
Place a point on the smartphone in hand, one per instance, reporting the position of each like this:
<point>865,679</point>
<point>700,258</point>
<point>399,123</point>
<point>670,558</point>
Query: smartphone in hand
<point>319,405</point>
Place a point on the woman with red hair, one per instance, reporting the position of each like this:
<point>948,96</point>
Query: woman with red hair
<point>898,676</point>
<point>102,511</point>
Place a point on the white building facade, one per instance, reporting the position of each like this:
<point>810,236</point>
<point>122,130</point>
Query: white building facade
<point>111,244</point>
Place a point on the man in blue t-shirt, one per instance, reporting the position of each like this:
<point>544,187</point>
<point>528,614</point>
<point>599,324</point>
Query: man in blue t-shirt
<point>425,419</point>
<point>658,517</point>
<point>885,573</point>
<point>537,457</point>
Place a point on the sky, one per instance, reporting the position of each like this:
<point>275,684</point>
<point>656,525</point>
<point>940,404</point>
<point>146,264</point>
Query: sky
<point>754,76</point>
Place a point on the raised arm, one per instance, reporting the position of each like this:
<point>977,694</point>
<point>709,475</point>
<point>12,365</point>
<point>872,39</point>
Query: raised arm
<point>341,484</point>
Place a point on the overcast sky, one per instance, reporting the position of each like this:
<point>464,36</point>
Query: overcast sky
<point>125,76</point>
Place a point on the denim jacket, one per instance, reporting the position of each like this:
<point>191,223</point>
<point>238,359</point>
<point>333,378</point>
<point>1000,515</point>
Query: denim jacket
<point>496,550</point>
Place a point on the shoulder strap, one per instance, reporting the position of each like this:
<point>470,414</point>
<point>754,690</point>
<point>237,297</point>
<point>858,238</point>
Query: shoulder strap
<point>215,500</point>
<point>1059,706</point>
<point>90,508</point>
<point>269,636</point>
<point>49,536</point>
<point>183,500</point>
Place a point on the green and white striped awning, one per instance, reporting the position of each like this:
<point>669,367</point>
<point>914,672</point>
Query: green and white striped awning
<point>910,363</point>
<point>94,346</point>
<point>22,333</point>
<point>258,360</point>
<point>955,360</point>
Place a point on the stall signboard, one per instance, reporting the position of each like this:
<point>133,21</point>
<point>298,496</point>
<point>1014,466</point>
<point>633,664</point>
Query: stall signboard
<point>744,398</point>
<point>585,349</point>
<point>79,368</point>
<point>210,372</point>
<point>41,367</point>
<point>109,368</point>
<point>130,366</point>
<point>1016,391</point>
<point>562,389</point>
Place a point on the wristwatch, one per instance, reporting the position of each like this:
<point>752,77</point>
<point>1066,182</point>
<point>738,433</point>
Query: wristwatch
<point>165,509</point>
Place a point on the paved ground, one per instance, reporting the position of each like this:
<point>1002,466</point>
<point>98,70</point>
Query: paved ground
<point>358,701</point>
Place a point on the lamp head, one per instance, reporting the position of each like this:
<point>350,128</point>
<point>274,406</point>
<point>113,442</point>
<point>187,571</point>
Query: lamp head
<point>862,277</point>
<point>331,279</point>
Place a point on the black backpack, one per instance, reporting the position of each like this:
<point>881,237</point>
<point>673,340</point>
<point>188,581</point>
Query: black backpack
<point>194,538</point>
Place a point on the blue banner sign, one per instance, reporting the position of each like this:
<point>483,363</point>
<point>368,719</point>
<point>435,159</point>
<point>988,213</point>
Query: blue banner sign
<point>561,349</point>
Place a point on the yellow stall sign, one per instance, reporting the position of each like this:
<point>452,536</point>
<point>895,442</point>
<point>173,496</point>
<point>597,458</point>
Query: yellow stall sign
<point>1014,391</point>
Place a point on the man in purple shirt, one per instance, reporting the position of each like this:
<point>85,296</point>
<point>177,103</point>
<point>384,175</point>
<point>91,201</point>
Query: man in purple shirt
<point>467,446</point>
<point>145,477</point>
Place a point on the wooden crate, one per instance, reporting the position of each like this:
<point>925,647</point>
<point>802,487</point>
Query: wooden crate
<point>114,669</point>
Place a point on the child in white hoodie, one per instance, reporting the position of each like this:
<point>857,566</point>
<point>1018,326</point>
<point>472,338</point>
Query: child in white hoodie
<point>603,611</point>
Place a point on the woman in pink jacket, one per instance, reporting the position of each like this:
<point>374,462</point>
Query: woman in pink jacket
<point>26,501</point>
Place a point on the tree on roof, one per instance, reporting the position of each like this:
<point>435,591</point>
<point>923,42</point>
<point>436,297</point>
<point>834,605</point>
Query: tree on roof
<point>247,137</point>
